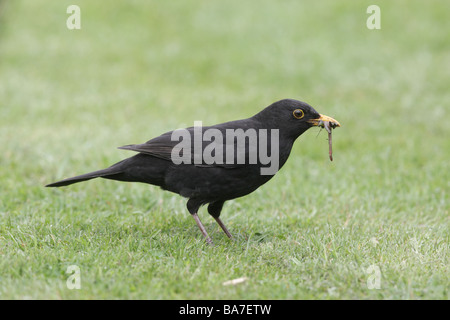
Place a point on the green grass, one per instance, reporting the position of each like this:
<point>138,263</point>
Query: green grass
<point>141,68</point>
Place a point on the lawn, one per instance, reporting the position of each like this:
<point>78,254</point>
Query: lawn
<point>372,224</point>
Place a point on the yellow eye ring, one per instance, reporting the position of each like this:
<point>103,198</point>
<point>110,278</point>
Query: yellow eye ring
<point>298,113</point>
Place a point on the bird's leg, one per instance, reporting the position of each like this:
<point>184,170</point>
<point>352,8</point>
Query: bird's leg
<point>223,227</point>
<point>193,205</point>
<point>214,210</point>
<point>202,228</point>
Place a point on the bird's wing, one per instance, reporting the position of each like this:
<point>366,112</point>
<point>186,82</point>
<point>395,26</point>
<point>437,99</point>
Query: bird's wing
<point>160,147</point>
<point>163,145</point>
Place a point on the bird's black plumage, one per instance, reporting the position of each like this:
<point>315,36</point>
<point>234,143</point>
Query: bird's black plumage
<point>203,182</point>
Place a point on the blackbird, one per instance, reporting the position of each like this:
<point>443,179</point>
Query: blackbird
<point>213,164</point>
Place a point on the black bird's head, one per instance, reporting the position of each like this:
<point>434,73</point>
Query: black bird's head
<point>293,117</point>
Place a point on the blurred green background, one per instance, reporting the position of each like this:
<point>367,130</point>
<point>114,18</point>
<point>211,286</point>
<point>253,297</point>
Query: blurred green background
<point>137,69</point>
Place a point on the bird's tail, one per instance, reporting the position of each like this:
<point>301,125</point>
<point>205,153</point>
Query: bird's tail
<point>107,173</point>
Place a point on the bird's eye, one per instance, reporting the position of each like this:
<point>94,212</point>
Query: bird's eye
<point>298,113</point>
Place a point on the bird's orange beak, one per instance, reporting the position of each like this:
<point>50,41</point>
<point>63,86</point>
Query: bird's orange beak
<point>320,121</point>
